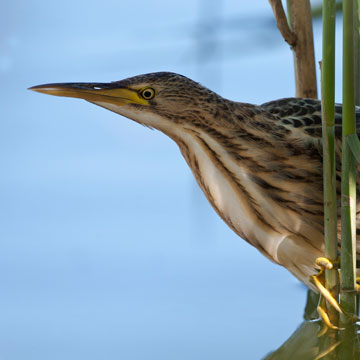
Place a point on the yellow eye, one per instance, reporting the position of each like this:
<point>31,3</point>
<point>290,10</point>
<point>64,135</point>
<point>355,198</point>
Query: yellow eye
<point>148,93</point>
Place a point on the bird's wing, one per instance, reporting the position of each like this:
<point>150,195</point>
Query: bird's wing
<point>303,116</point>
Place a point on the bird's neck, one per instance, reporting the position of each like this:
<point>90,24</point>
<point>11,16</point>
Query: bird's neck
<point>228,185</point>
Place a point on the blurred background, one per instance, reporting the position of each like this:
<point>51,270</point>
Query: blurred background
<point>108,248</point>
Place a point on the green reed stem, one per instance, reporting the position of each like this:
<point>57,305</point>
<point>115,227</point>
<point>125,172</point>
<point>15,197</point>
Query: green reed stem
<point>357,50</point>
<point>348,172</point>
<point>329,166</point>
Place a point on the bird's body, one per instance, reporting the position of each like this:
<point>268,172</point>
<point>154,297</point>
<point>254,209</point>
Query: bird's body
<point>260,167</point>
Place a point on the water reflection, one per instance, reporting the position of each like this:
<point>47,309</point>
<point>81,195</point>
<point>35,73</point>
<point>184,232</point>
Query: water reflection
<point>310,341</point>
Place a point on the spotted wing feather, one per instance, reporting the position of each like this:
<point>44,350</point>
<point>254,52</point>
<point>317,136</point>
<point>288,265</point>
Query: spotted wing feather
<point>304,116</point>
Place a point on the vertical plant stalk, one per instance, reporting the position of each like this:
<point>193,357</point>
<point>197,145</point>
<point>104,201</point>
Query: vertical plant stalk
<point>348,172</point>
<point>300,19</point>
<point>356,153</point>
<point>357,50</point>
<point>329,165</point>
<point>349,336</point>
<point>300,37</point>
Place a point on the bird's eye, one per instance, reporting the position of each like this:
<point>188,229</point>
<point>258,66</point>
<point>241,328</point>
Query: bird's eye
<point>148,93</point>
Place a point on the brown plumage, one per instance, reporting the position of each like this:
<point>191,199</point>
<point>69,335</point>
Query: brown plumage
<point>260,167</point>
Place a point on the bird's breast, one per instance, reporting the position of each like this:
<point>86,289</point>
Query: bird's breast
<point>232,193</point>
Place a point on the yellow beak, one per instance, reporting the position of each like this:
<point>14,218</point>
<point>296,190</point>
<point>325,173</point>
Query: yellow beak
<point>93,92</point>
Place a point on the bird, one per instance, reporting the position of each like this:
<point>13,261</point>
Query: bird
<point>259,166</point>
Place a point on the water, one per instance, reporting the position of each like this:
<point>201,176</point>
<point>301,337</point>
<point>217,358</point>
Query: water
<point>108,250</point>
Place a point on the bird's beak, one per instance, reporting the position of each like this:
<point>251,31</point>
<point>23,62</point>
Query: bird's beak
<point>93,92</point>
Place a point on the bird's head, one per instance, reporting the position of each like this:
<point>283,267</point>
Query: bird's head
<point>160,100</point>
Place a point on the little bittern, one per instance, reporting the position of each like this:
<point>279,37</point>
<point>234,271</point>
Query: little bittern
<point>260,167</point>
